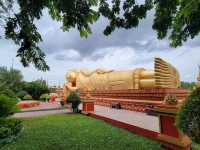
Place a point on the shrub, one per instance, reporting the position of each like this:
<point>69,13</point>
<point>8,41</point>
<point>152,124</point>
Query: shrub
<point>4,132</point>
<point>188,118</point>
<point>27,97</point>
<point>9,128</point>
<point>75,100</point>
<point>44,97</point>
<point>14,124</point>
<point>7,92</point>
<point>21,94</point>
<point>10,78</point>
<point>7,105</point>
<point>36,88</point>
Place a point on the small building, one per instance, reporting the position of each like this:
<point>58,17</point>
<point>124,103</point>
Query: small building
<point>57,89</point>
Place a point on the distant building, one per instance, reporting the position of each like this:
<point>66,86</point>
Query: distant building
<point>56,89</point>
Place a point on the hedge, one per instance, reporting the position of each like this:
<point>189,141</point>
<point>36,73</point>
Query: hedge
<point>188,118</point>
<point>9,130</point>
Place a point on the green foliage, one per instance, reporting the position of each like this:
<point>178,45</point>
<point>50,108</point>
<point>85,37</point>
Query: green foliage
<point>7,105</point>
<point>4,132</point>
<point>165,10</point>
<point>7,92</point>
<point>14,125</point>
<point>9,128</point>
<point>44,97</point>
<point>188,85</point>
<point>75,100</point>
<point>21,94</point>
<point>22,30</point>
<point>36,88</point>
<point>5,7</point>
<point>27,97</point>
<point>126,17</point>
<point>188,118</point>
<point>10,79</point>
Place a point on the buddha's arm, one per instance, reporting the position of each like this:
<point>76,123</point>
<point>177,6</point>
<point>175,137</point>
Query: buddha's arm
<point>70,87</point>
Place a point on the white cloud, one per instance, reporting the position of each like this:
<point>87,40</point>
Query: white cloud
<point>123,58</point>
<point>119,58</point>
<point>66,55</point>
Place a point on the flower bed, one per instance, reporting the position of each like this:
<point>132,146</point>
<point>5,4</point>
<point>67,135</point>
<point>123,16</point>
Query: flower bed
<point>28,104</point>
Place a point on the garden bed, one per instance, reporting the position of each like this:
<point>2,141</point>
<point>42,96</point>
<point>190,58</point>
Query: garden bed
<point>28,104</point>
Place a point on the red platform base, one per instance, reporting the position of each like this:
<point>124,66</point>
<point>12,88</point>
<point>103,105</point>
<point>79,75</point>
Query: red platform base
<point>140,131</point>
<point>88,106</point>
<point>135,99</point>
<point>170,136</point>
<point>174,147</point>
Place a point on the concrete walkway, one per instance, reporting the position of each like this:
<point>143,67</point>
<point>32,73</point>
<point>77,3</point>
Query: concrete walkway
<point>40,113</point>
<point>138,119</point>
<point>43,109</point>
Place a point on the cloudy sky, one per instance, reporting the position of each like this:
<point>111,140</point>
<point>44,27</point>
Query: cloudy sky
<point>124,49</point>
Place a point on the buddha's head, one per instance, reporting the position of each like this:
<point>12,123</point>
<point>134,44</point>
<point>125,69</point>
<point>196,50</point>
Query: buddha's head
<point>71,76</point>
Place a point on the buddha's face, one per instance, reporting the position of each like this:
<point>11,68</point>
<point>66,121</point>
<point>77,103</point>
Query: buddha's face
<point>71,77</point>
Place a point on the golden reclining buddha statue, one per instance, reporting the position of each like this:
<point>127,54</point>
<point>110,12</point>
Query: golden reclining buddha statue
<point>164,75</point>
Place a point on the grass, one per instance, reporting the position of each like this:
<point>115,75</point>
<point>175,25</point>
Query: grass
<point>76,132</point>
<point>195,146</point>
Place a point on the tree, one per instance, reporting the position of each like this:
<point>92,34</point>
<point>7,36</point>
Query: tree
<point>21,94</point>
<point>10,79</point>
<point>188,85</point>
<point>44,97</point>
<point>5,7</point>
<point>7,105</point>
<point>36,88</point>
<point>179,18</point>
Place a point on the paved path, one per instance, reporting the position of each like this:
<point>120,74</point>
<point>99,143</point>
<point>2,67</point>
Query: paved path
<point>138,119</point>
<point>44,108</point>
<point>40,113</point>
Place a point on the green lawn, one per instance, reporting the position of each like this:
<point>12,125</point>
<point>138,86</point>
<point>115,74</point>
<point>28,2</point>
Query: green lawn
<point>195,147</point>
<point>76,132</point>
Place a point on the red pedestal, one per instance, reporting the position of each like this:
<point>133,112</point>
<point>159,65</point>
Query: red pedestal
<point>88,106</point>
<point>170,136</point>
